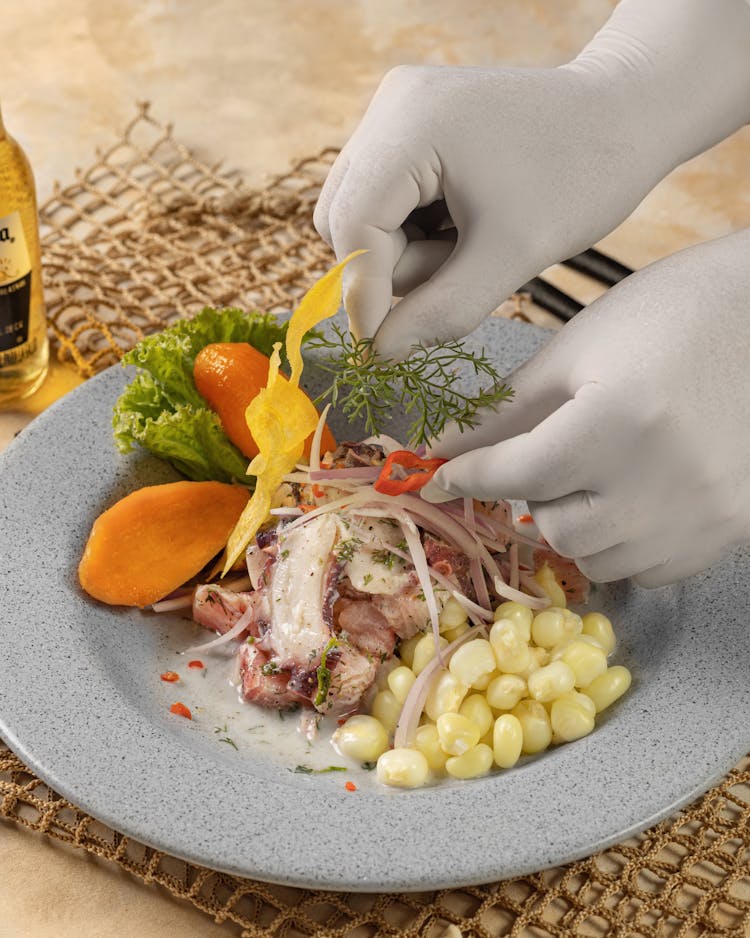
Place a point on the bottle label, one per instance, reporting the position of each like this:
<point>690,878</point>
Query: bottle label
<point>15,283</point>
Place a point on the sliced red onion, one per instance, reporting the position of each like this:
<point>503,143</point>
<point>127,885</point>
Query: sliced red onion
<point>529,583</point>
<point>363,473</point>
<point>237,629</point>
<point>533,602</point>
<point>172,605</point>
<point>492,525</point>
<point>286,511</point>
<point>421,568</point>
<point>513,579</point>
<point>411,711</point>
<point>256,561</point>
<point>316,440</point>
<point>475,564</point>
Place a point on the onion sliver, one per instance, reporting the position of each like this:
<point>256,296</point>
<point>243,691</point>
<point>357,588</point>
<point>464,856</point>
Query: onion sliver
<point>415,699</point>
<point>360,473</point>
<point>172,605</point>
<point>237,629</point>
<point>533,602</point>
<point>513,579</point>
<point>316,440</point>
<point>421,568</point>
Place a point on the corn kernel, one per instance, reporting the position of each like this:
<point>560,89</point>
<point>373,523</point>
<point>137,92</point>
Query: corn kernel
<point>472,661</point>
<point>511,649</point>
<point>507,740</point>
<point>534,720</point>
<point>608,687</point>
<point>580,699</point>
<point>400,682</point>
<point>406,649</point>
<point>484,682</point>
<point>424,652</point>
<point>386,708</point>
<point>427,742</point>
<point>551,681</point>
<point>517,613</point>
<point>446,695</point>
<point>504,692</point>
<point>452,615</point>
<point>598,626</point>
<point>362,737</point>
<point>403,768</point>
<point>586,661</point>
<point>545,577</point>
<point>472,764</point>
<point>457,733</point>
<point>476,708</point>
<point>570,720</point>
<point>452,634</point>
<point>548,627</point>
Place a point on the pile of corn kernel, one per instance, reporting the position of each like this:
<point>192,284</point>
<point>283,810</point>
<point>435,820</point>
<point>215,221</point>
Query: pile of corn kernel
<point>536,680</point>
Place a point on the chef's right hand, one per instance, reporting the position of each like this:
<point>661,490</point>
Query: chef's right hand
<point>463,183</point>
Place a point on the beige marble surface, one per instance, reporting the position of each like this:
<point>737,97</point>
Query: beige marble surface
<point>257,83</point>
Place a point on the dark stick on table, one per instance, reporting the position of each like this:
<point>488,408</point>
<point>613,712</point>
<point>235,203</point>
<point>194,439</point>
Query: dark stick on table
<point>599,267</point>
<point>593,264</point>
<point>550,298</point>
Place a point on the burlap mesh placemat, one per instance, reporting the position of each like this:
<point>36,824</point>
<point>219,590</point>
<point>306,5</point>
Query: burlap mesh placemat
<point>149,234</point>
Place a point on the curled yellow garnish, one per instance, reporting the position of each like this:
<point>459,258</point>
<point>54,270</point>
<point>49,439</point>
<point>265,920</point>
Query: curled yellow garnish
<point>281,417</point>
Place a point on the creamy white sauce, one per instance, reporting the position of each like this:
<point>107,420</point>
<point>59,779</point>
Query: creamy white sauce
<point>243,730</point>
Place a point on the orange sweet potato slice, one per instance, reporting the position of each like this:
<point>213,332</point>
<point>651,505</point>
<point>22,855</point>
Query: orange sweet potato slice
<point>229,375</point>
<point>155,539</point>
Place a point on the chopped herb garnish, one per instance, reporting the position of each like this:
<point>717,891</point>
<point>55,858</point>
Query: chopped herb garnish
<point>346,549</point>
<point>385,557</point>
<point>369,766</point>
<point>309,770</point>
<point>367,579</point>
<point>228,739</point>
<point>271,667</point>
<point>285,553</point>
<point>324,673</point>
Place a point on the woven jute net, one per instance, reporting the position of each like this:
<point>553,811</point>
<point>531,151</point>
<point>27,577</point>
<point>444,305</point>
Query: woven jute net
<point>150,234</point>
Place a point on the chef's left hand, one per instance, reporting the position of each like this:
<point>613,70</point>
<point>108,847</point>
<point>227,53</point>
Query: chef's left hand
<point>628,435</point>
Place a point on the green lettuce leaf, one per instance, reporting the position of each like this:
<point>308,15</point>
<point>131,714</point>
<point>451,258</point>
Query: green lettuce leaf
<point>161,409</point>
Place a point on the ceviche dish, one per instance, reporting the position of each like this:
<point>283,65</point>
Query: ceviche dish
<point>416,641</point>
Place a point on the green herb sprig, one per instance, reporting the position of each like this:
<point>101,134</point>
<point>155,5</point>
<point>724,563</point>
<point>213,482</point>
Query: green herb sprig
<point>370,388</point>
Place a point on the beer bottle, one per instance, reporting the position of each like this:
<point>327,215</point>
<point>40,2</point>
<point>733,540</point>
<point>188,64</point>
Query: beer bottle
<point>24,348</point>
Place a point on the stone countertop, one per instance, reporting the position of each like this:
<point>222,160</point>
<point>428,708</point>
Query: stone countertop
<point>257,83</point>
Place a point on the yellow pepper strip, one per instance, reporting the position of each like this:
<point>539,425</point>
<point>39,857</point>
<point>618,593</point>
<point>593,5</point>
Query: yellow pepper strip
<point>281,416</point>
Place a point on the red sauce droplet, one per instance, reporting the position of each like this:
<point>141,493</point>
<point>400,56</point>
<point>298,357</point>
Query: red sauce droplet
<point>170,677</point>
<point>181,710</point>
<point>196,664</point>
<point>350,786</point>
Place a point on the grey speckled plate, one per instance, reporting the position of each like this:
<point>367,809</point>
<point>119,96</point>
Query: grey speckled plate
<point>78,704</point>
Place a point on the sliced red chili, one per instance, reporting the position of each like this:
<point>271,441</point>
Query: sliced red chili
<point>525,519</point>
<point>196,664</point>
<point>170,676</point>
<point>419,472</point>
<point>350,786</point>
<point>181,710</point>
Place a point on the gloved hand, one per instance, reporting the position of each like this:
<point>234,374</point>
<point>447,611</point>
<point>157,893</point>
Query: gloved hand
<point>628,433</point>
<point>524,166</point>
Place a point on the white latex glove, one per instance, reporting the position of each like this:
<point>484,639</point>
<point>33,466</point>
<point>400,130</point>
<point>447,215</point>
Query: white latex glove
<point>628,434</point>
<point>524,166</point>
